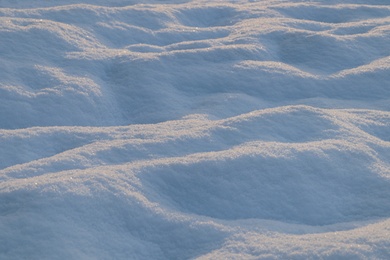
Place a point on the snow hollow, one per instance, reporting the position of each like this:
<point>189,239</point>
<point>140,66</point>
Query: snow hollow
<point>236,129</point>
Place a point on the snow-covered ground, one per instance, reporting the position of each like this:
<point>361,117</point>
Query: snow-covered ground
<point>237,129</point>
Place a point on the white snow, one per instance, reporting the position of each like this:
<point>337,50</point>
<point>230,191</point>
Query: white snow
<point>237,129</point>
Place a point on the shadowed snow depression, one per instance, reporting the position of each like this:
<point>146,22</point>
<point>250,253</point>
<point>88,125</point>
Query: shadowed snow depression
<point>195,129</point>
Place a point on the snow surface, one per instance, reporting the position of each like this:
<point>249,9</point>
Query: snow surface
<point>195,129</point>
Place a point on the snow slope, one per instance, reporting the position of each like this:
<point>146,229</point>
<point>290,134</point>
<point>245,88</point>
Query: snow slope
<point>194,129</point>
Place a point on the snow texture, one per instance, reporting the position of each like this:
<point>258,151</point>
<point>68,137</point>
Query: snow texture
<point>237,129</point>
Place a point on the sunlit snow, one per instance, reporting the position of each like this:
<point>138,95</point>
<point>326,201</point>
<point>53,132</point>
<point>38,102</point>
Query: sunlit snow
<point>236,129</point>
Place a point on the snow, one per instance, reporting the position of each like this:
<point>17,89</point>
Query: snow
<point>187,129</point>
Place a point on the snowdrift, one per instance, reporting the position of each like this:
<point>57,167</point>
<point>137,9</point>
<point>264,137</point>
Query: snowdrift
<point>194,129</point>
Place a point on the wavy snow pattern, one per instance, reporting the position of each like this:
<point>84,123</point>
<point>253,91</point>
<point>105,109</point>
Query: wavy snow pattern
<point>194,129</point>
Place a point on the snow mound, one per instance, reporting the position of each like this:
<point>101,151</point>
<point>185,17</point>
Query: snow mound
<point>102,66</point>
<point>194,129</point>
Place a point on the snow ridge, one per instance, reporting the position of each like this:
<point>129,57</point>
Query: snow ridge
<point>98,68</point>
<point>194,129</point>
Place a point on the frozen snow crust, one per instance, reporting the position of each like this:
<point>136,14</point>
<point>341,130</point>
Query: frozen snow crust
<point>194,129</point>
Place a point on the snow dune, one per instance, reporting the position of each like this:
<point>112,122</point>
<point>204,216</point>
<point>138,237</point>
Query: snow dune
<point>194,129</point>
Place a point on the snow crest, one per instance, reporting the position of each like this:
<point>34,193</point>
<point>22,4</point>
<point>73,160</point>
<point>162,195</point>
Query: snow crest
<point>194,129</point>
